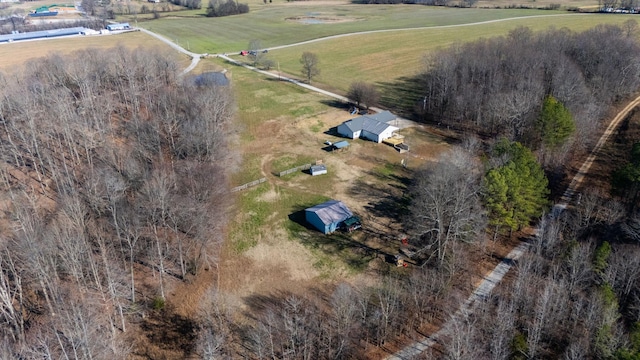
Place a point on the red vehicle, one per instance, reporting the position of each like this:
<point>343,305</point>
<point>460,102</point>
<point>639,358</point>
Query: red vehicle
<point>244,52</point>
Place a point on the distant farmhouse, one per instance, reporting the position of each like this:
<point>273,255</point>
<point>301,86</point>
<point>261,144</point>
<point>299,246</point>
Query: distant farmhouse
<point>374,127</point>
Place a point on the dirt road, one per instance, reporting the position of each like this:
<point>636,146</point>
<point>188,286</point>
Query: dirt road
<point>495,276</point>
<point>195,58</point>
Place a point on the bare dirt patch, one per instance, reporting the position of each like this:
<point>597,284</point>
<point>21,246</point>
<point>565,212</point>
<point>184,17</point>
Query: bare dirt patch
<point>321,19</point>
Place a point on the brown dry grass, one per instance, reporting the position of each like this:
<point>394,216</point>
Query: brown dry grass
<point>356,176</point>
<point>13,55</point>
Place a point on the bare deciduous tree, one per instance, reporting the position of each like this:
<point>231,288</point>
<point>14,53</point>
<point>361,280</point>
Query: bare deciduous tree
<point>445,205</point>
<point>310,65</point>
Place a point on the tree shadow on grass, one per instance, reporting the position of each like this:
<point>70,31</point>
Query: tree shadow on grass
<point>335,103</point>
<point>402,96</point>
<point>387,197</point>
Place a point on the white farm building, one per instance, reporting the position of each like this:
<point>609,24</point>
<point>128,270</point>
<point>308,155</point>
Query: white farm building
<point>373,127</point>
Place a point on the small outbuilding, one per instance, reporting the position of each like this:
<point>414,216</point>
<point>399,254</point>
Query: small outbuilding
<point>329,216</point>
<point>340,145</point>
<point>318,170</point>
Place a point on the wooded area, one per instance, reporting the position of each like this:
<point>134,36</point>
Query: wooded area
<point>496,86</point>
<point>113,172</point>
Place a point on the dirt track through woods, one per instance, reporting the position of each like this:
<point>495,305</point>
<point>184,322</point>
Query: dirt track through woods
<point>495,276</point>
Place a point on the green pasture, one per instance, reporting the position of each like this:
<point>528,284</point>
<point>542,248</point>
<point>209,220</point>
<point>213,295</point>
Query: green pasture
<point>385,58</point>
<point>260,99</point>
<point>269,24</point>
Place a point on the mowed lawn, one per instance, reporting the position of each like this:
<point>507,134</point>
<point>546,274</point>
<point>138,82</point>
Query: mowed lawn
<point>272,25</point>
<point>13,55</point>
<point>388,56</point>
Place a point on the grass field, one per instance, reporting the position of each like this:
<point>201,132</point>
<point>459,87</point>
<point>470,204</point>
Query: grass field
<point>271,27</point>
<point>13,55</point>
<point>385,57</point>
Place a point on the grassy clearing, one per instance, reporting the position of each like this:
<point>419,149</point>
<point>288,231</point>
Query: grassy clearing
<point>264,208</point>
<point>332,252</point>
<point>383,57</point>
<point>288,161</point>
<point>15,54</point>
<point>261,99</point>
<point>270,25</point>
<point>251,170</point>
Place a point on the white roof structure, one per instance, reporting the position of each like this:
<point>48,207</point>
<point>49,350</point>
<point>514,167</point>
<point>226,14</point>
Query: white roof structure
<point>375,123</point>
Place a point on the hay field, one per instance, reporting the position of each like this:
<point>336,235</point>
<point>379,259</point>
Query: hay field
<point>281,25</point>
<point>383,57</point>
<point>14,55</point>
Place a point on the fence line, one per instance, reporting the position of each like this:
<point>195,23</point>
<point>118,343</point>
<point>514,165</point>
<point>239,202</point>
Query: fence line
<point>292,170</point>
<point>249,184</point>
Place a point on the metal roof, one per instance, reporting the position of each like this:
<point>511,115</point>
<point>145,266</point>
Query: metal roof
<point>384,116</point>
<point>332,211</point>
<point>318,167</point>
<point>341,144</point>
<point>42,34</point>
<point>375,124</point>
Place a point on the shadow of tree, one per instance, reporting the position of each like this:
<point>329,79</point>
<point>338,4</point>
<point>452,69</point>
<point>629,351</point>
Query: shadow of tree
<point>380,201</point>
<point>402,96</point>
<point>170,331</point>
<point>336,104</point>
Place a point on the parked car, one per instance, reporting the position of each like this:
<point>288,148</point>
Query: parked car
<point>351,224</point>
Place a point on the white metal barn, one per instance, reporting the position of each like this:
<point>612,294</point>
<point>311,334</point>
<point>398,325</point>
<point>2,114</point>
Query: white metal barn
<point>371,127</point>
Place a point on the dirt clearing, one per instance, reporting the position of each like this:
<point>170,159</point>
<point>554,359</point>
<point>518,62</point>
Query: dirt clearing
<point>367,177</point>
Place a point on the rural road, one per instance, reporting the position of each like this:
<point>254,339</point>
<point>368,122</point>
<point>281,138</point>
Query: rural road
<point>195,58</point>
<point>481,292</point>
<point>495,276</point>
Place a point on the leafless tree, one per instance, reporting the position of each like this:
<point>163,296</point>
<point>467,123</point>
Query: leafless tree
<point>363,93</point>
<point>310,65</point>
<point>445,204</point>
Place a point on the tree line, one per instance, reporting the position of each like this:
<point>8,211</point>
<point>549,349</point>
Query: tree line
<point>495,87</point>
<point>113,169</point>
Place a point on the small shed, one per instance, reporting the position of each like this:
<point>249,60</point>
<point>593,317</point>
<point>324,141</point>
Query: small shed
<point>340,145</point>
<point>318,170</point>
<point>329,216</point>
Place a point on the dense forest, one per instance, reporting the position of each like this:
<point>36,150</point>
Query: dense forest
<point>114,170</point>
<point>114,189</point>
<point>495,87</point>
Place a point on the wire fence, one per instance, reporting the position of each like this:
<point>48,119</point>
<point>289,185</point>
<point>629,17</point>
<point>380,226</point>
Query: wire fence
<point>249,184</point>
